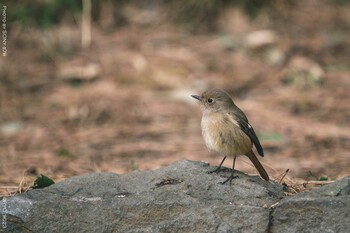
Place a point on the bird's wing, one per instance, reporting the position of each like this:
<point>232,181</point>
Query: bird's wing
<point>242,122</point>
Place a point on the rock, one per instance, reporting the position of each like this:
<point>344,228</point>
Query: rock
<point>326,209</point>
<point>179,198</point>
<point>263,43</point>
<point>11,128</point>
<point>85,72</point>
<point>274,56</point>
<point>261,38</point>
<point>303,72</point>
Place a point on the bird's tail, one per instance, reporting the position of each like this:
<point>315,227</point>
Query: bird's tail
<point>258,165</point>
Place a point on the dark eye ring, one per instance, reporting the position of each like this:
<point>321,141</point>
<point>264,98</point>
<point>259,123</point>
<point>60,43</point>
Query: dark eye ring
<point>210,100</point>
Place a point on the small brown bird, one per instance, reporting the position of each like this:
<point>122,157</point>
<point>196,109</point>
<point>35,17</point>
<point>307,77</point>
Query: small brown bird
<point>226,130</point>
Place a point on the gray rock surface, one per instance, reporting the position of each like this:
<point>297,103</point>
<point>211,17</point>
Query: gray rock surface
<point>179,198</point>
<point>326,209</point>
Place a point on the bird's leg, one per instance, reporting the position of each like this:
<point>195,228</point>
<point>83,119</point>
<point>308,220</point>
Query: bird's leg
<point>218,169</point>
<point>232,176</point>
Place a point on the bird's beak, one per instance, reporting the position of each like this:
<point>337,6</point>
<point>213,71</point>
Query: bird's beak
<point>197,97</point>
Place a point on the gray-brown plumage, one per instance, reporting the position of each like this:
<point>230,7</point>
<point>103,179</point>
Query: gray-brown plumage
<point>226,130</point>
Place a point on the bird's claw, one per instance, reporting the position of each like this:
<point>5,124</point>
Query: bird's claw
<point>217,170</point>
<point>229,179</point>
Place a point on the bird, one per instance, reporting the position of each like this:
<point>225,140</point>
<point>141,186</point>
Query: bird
<point>227,131</point>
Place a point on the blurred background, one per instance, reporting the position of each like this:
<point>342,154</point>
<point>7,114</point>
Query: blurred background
<point>101,85</point>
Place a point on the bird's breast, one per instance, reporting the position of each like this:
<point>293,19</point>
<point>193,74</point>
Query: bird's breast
<point>222,136</point>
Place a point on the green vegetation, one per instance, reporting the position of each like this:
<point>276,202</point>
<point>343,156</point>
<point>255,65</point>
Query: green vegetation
<point>134,166</point>
<point>270,136</point>
<point>42,182</point>
<point>192,14</point>
<point>43,13</point>
<point>64,152</point>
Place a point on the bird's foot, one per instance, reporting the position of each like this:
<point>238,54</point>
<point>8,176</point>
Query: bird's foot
<point>217,170</point>
<point>229,179</point>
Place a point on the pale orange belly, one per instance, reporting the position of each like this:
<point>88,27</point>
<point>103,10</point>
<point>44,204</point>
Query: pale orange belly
<point>225,139</point>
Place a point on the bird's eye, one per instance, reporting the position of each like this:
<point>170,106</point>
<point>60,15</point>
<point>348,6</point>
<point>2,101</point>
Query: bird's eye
<point>210,100</point>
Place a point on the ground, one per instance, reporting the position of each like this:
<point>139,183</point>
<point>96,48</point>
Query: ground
<point>124,103</point>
